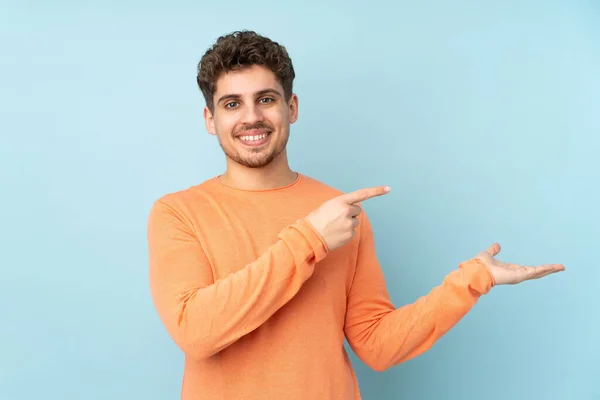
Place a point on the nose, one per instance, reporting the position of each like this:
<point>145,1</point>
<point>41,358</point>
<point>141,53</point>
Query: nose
<point>251,114</point>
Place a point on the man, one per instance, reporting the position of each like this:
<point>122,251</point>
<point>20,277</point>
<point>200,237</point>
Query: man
<point>259,274</point>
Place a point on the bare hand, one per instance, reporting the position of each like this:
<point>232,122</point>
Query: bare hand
<point>510,274</point>
<point>336,219</point>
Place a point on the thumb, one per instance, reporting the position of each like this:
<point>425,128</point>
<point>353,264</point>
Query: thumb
<point>493,249</point>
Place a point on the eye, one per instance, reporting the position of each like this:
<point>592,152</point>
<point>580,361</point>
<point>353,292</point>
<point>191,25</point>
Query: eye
<point>266,100</point>
<point>231,104</point>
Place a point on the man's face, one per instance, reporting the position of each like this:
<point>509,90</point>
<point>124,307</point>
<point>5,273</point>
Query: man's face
<point>251,117</point>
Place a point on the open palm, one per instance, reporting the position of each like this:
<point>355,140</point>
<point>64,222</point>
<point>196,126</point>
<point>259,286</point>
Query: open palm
<point>510,274</point>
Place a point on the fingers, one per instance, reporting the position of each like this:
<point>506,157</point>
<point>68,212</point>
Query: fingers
<point>355,211</point>
<point>508,273</point>
<point>364,194</point>
<point>543,270</point>
<point>521,273</point>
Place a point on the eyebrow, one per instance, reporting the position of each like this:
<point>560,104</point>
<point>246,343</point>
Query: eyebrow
<point>257,94</point>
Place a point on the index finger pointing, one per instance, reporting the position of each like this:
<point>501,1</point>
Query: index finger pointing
<point>364,194</point>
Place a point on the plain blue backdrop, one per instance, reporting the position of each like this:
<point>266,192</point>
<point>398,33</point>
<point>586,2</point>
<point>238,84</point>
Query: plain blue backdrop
<point>483,117</point>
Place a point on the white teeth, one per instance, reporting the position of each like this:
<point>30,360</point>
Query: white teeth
<point>253,138</point>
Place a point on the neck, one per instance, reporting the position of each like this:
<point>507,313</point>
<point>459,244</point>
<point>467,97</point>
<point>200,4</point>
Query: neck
<point>276,174</point>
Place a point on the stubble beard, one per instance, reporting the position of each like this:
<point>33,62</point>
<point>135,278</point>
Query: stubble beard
<point>255,158</point>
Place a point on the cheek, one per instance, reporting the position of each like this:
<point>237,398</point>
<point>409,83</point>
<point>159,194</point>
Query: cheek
<point>224,127</point>
<point>278,118</point>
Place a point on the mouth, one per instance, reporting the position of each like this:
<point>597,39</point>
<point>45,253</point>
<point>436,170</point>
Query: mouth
<point>254,138</point>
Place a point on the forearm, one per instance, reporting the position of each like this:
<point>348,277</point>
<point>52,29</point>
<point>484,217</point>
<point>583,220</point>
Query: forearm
<point>204,317</point>
<point>390,336</point>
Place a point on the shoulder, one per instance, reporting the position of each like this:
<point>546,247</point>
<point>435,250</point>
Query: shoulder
<point>183,200</point>
<point>317,186</point>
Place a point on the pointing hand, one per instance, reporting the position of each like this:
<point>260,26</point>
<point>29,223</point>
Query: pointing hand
<point>510,274</point>
<point>336,219</point>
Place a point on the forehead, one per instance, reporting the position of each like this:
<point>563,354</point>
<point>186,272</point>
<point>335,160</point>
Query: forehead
<point>247,81</point>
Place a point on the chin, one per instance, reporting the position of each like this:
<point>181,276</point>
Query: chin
<point>257,159</point>
<point>255,162</point>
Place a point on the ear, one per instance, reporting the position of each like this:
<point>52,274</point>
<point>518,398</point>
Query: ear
<point>293,107</point>
<point>209,121</point>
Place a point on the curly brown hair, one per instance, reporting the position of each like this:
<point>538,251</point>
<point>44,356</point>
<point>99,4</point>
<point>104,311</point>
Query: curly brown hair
<point>242,49</point>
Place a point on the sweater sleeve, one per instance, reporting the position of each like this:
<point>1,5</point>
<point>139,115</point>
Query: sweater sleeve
<point>204,316</point>
<point>382,335</point>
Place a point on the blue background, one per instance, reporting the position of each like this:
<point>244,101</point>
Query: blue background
<point>483,117</point>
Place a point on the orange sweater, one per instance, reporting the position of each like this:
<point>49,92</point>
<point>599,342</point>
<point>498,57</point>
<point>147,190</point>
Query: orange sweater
<point>260,307</point>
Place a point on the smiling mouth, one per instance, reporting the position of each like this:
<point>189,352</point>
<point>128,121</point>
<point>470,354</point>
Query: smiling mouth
<point>254,140</point>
